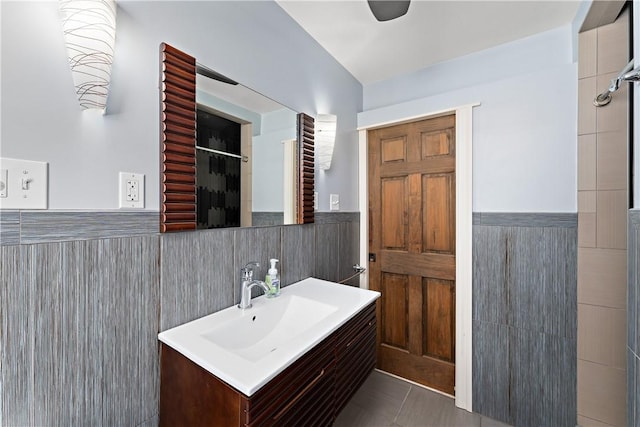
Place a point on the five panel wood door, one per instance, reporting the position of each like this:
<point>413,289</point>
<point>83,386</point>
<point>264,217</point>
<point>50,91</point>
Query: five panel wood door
<point>412,234</point>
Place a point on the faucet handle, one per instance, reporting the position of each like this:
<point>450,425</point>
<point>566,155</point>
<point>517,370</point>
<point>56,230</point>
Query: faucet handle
<point>247,270</point>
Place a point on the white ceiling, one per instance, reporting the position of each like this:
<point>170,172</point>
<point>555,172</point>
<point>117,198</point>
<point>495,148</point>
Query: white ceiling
<point>431,31</point>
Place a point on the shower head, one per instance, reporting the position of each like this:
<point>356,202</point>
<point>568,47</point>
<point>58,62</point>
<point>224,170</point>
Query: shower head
<point>603,99</point>
<point>628,74</point>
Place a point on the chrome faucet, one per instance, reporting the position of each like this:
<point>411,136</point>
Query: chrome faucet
<point>248,283</point>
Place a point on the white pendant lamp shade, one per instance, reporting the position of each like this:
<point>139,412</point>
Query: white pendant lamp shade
<point>89,28</point>
<point>325,139</point>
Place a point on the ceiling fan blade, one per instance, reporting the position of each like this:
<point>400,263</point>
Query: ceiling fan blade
<point>386,10</point>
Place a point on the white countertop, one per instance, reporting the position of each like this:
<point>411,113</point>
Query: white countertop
<point>247,368</point>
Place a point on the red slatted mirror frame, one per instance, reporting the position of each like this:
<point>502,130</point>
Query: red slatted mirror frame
<point>304,169</point>
<point>178,146</point>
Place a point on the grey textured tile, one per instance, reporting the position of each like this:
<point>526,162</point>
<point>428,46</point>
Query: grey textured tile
<point>110,333</point>
<point>298,253</point>
<point>197,274</point>
<point>255,244</point>
<point>631,387</point>
<point>328,251</point>
<point>424,408</point>
<point>543,280</point>
<point>87,313</point>
<point>491,248</point>
<point>260,219</point>
<point>523,272</point>
<point>525,310</point>
<point>349,251</point>
<point>16,337</point>
<point>524,361</point>
<point>525,219</point>
<point>491,375</point>
<point>543,379</point>
<point>636,415</point>
<point>9,227</point>
<point>633,262</point>
<point>56,226</point>
<point>46,271</point>
<point>567,265</point>
<point>336,217</point>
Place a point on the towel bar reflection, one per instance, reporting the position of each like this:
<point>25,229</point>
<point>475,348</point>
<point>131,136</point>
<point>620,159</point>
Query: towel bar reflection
<point>245,159</point>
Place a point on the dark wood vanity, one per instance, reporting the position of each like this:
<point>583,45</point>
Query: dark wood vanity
<point>311,391</point>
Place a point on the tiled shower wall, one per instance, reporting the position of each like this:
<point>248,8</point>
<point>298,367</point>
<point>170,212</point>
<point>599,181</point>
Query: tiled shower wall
<point>602,225</point>
<point>79,318</point>
<point>524,318</point>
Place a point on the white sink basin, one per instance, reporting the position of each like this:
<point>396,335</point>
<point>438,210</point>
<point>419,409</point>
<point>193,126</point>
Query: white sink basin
<point>247,348</point>
<point>269,325</point>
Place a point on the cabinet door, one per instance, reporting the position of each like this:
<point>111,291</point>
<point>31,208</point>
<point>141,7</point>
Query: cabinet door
<point>192,396</point>
<point>303,394</point>
<point>355,355</point>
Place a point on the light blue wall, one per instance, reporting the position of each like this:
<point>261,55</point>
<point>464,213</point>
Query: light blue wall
<point>255,43</point>
<point>268,151</point>
<point>524,130</point>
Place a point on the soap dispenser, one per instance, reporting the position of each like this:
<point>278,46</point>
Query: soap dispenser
<point>273,280</point>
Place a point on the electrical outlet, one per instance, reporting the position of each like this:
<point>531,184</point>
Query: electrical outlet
<point>334,202</point>
<point>131,190</point>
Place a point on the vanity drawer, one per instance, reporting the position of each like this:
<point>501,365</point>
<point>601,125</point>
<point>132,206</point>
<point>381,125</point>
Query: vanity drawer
<point>358,327</point>
<point>296,391</point>
<point>355,355</point>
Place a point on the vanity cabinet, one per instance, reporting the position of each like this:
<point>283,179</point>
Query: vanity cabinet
<point>355,355</point>
<point>311,391</point>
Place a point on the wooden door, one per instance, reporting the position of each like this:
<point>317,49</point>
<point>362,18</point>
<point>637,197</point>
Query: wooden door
<point>412,236</point>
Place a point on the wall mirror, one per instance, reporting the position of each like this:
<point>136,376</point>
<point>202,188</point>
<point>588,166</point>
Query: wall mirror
<point>241,159</point>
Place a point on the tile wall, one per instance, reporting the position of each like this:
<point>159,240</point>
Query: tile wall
<point>633,328</point>
<point>602,226</point>
<point>79,318</point>
<point>524,318</point>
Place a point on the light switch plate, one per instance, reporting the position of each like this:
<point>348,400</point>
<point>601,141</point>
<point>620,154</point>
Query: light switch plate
<point>131,192</point>
<point>4,174</point>
<point>334,202</point>
<point>26,184</point>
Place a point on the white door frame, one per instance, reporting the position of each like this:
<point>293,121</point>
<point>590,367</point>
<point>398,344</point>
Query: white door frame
<point>464,303</point>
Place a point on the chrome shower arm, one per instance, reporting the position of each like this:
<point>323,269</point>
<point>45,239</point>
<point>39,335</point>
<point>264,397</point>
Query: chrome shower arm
<point>627,74</point>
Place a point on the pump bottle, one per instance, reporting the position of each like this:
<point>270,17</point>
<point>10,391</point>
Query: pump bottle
<point>273,280</point>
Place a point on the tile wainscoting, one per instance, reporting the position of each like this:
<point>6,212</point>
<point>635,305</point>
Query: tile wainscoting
<point>524,317</point>
<point>81,305</point>
<point>80,317</point>
<point>633,320</point>
<point>27,227</point>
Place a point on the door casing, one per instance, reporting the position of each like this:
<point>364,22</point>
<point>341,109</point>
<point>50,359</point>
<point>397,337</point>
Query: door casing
<point>464,173</point>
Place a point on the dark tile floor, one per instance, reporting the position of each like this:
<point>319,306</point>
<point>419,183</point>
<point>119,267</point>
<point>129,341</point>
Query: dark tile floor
<point>384,400</point>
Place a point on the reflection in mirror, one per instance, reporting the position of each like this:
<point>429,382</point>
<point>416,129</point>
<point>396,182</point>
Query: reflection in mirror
<point>245,155</point>
<point>178,201</point>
